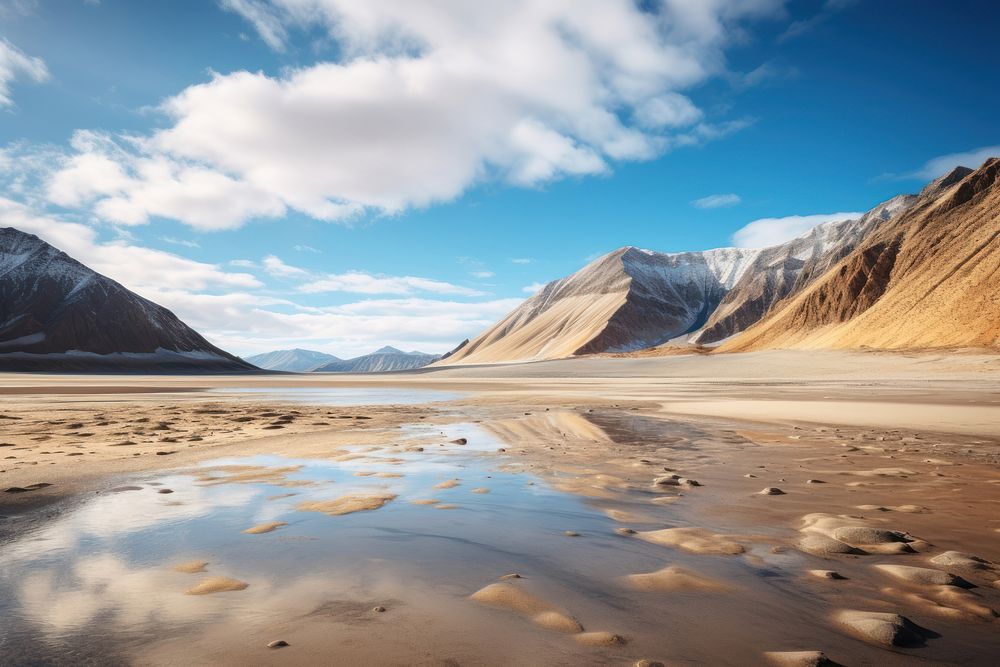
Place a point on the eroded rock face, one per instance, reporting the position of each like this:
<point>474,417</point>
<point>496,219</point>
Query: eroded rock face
<point>942,253</point>
<point>57,314</point>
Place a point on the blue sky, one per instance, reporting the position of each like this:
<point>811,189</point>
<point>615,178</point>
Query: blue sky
<point>339,174</point>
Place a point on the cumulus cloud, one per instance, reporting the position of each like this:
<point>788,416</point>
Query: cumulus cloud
<point>127,183</point>
<point>426,99</point>
<point>236,311</point>
<point>277,268</point>
<point>360,282</point>
<point>14,65</point>
<point>717,201</point>
<point>941,165</point>
<point>772,231</point>
<point>144,270</point>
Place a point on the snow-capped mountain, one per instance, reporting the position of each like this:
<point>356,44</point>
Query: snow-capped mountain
<point>57,314</point>
<point>785,269</point>
<point>632,299</point>
<point>292,361</point>
<point>928,278</point>
<point>380,361</point>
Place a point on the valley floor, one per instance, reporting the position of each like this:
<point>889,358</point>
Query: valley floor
<point>572,474</point>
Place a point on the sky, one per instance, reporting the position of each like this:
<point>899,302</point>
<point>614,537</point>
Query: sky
<point>340,175</point>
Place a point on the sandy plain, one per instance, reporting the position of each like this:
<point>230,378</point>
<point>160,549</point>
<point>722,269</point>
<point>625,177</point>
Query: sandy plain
<point>878,542</point>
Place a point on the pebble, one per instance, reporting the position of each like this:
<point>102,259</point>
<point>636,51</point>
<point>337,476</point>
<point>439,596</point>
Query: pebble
<point>772,491</point>
<point>277,643</point>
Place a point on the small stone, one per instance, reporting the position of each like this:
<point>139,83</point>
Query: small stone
<point>750,475</point>
<point>165,491</point>
<point>512,575</point>
<point>815,481</point>
<point>277,643</point>
<point>772,491</point>
<point>379,609</point>
<point>571,533</point>
<point>649,663</point>
<point>459,441</point>
<point>827,574</point>
<point>624,531</point>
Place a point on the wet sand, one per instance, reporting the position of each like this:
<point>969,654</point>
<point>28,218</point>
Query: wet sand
<point>878,544</point>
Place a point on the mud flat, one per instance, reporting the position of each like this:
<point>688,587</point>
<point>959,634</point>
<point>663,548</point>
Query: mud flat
<point>617,528</point>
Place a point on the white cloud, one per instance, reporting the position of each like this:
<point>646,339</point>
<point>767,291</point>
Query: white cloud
<point>532,288</point>
<point>772,231</point>
<point>15,64</point>
<point>233,311</point>
<point>144,270</point>
<point>942,164</point>
<point>427,99</point>
<point>127,183</point>
<point>717,201</point>
<point>360,282</point>
<point>482,274</point>
<point>277,268</point>
<point>305,248</point>
<point>521,260</point>
<point>181,242</point>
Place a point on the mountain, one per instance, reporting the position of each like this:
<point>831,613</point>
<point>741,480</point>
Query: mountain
<point>380,361</point>
<point>292,361</point>
<point>626,300</point>
<point>915,254</point>
<point>929,278</point>
<point>783,270</point>
<point>58,315</point>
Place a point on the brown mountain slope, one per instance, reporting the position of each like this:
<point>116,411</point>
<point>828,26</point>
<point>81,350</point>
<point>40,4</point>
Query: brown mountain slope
<point>929,278</point>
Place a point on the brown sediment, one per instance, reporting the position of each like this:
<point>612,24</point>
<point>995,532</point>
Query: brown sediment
<point>265,527</point>
<point>347,504</point>
<point>217,585</point>
<point>191,567</point>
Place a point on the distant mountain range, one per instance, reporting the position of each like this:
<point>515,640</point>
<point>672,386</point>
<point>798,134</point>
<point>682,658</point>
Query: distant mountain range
<point>58,315</point>
<point>915,271</point>
<point>294,361</point>
<point>380,361</point>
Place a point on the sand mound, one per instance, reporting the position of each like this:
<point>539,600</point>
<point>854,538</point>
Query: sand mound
<point>217,585</point>
<point>191,567</point>
<point>505,595</point>
<point>424,501</point>
<point>849,531</point>
<point>347,504</point>
<point>447,484</point>
<point>821,545</point>
<point>674,579</point>
<point>265,527</point>
<point>695,540</point>
<point>882,628</point>
<point>599,638</point>
<point>921,575</point>
<point>964,562</point>
<point>799,659</point>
